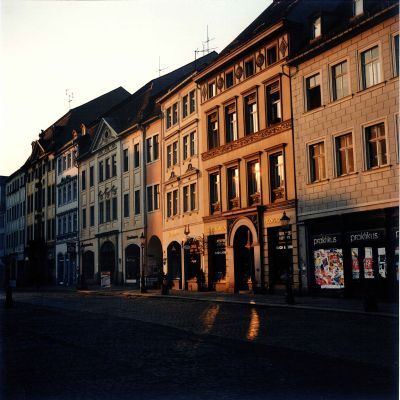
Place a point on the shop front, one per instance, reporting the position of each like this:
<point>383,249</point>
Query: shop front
<point>354,253</point>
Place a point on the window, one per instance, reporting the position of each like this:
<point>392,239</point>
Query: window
<point>212,130</point>
<point>169,155</point>
<point>59,166</point>
<point>149,198</point>
<point>192,137</point>
<point>249,68</point>
<point>316,28</point>
<point>370,67</point>
<point>211,90</point>
<point>83,218</point>
<point>152,148</point>
<point>358,8</point>
<point>254,182</point>
<point>277,176</point>
<point>101,171</point>
<point>74,190</point>
<point>169,204</point>
<point>91,176</point>
<point>175,153</point>
<point>64,163</point>
<point>137,202</point>
<point>107,164</point>
<point>233,187</point>
<point>186,147</point>
<point>91,215</point>
<point>230,123</point>
<point>136,156</point>
<point>215,193</point>
<point>75,221</point>
<point>189,197</point>
<point>114,165</point>
<point>69,191</point>
<point>126,205</point>
<point>69,155</point>
<point>168,118</point>
<point>185,106</point>
<point>126,160</point>
<point>313,92</point>
<point>395,53</point>
<point>175,202</point>
<point>272,55</point>
<point>101,212</point>
<point>114,208</point>
<point>189,145</point>
<point>192,101</point>
<point>174,113</point>
<point>344,154</point>
<point>228,79</point>
<point>317,162</point>
<point>83,178</point>
<point>273,95</point>
<point>153,198</point>
<point>108,210</point>
<point>340,80</point>
<point>375,140</point>
<point>250,113</point>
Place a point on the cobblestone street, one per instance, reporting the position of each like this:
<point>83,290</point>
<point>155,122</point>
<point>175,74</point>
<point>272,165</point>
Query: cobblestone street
<point>68,345</point>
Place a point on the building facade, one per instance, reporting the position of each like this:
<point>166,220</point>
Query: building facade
<point>345,106</point>
<point>3,222</point>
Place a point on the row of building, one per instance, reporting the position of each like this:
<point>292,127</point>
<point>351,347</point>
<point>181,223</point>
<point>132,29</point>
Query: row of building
<point>295,121</point>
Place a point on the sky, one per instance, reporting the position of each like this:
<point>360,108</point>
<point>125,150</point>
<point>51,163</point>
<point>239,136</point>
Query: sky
<point>92,47</point>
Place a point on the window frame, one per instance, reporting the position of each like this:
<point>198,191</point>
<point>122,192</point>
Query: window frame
<point>311,168</point>
<point>215,131</point>
<point>235,133</point>
<point>268,84</point>
<point>367,159</point>
<point>395,59</point>
<point>361,66</point>
<point>331,79</point>
<point>250,201</point>
<point>247,95</point>
<point>280,150</point>
<point>211,89</point>
<point>305,91</point>
<point>233,202</point>
<point>125,158</point>
<point>336,153</point>
<point>215,206</point>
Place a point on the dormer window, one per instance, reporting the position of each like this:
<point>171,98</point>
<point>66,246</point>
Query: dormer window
<point>316,28</point>
<point>358,7</point>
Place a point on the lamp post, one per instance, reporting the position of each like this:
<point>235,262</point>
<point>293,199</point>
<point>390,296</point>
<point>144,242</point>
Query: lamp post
<point>252,272</point>
<point>142,280</point>
<point>289,289</point>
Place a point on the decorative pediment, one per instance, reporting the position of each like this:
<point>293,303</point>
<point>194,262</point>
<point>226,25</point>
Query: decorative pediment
<point>37,151</point>
<point>104,136</point>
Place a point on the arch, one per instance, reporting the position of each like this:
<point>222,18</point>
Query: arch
<point>154,262</point>
<point>107,259</point>
<point>243,222</point>
<point>175,263</point>
<point>132,263</point>
<point>88,264</point>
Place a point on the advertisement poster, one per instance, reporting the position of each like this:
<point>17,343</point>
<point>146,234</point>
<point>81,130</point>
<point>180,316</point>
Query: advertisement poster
<point>368,262</point>
<point>382,262</point>
<point>355,263</point>
<point>105,277</point>
<point>329,268</point>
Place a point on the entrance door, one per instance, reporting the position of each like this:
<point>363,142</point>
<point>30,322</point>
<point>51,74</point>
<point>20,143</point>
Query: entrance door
<point>175,263</point>
<point>107,259</point>
<point>243,259</point>
<point>88,265</point>
<point>216,260</point>
<point>132,263</point>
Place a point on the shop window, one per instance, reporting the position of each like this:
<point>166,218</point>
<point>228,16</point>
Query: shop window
<point>329,270</point>
<point>250,113</point>
<point>277,176</point>
<point>215,198</point>
<point>370,67</point>
<point>313,92</point>
<point>375,140</point>
<point>212,130</point>
<point>340,80</point>
<point>249,68</point>
<point>230,123</point>
<point>253,182</point>
<point>228,79</point>
<point>273,97</point>
<point>395,55</point>
<point>272,55</point>
<point>344,154</point>
<point>211,89</point>
<point>317,162</point>
<point>233,187</point>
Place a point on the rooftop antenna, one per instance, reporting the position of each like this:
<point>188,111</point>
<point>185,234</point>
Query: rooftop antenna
<point>159,66</point>
<point>70,96</point>
<point>206,47</point>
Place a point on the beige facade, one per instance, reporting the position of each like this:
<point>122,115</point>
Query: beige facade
<point>345,105</point>
<point>247,158</point>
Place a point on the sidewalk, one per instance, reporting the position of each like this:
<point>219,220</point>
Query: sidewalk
<point>260,300</point>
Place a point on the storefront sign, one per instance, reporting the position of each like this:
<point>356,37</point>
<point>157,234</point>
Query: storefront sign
<point>326,239</point>
<point>366,236</point>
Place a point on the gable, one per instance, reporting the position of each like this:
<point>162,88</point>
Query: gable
<point>104,135</point>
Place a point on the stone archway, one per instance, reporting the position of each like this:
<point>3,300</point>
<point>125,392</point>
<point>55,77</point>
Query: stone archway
<point>244,248</point>
<point>107,259</point>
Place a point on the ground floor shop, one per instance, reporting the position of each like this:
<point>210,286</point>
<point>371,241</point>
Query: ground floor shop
<point>353,254</point>
<point>67,263</point>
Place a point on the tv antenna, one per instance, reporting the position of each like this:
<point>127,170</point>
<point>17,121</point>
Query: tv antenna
<point>159,66</point>
<point>70,96</point>
<point>206,46</point>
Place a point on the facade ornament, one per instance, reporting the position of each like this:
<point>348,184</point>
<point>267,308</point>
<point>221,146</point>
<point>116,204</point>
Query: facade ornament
<point>220,83</point>
<point>260,60</point>
<point>239,72</point>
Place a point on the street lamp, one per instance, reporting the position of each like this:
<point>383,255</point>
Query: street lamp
<point>289,289</point>
<point>252,272</point>
<point>142,281</point>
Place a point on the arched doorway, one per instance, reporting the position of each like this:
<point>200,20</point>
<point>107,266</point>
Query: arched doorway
<point>107,259</point>
<point>88,265</point>
<point>154,262</point>
<point>175,264</point>
<point>60,268</point>
<point>132,264</point>
<point>191,261</point>
<point>243,259</point>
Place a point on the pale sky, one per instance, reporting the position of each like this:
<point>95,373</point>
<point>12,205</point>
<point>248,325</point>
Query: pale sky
<point>91,47</point>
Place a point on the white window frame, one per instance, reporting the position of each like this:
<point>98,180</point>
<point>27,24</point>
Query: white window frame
<point>308,146</point>
<point>360,65</point>
<point>358,12</point>
<point>316,27</point>
<point>306,109</point>
<point>331,86</point>
<point>364,141</point>
<point>393,54</point>
<point>334,152</point>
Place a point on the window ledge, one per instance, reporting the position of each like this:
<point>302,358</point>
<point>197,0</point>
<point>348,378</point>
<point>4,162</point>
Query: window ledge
<point>382,168</point>
<point>350,175</point>
<point>317,183</point>
<point>314,110</point>
<point>341,100</point>
<point>371,88</point>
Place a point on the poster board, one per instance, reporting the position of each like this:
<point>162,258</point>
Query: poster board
<point>328,271</point>
<point>105,278</point>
